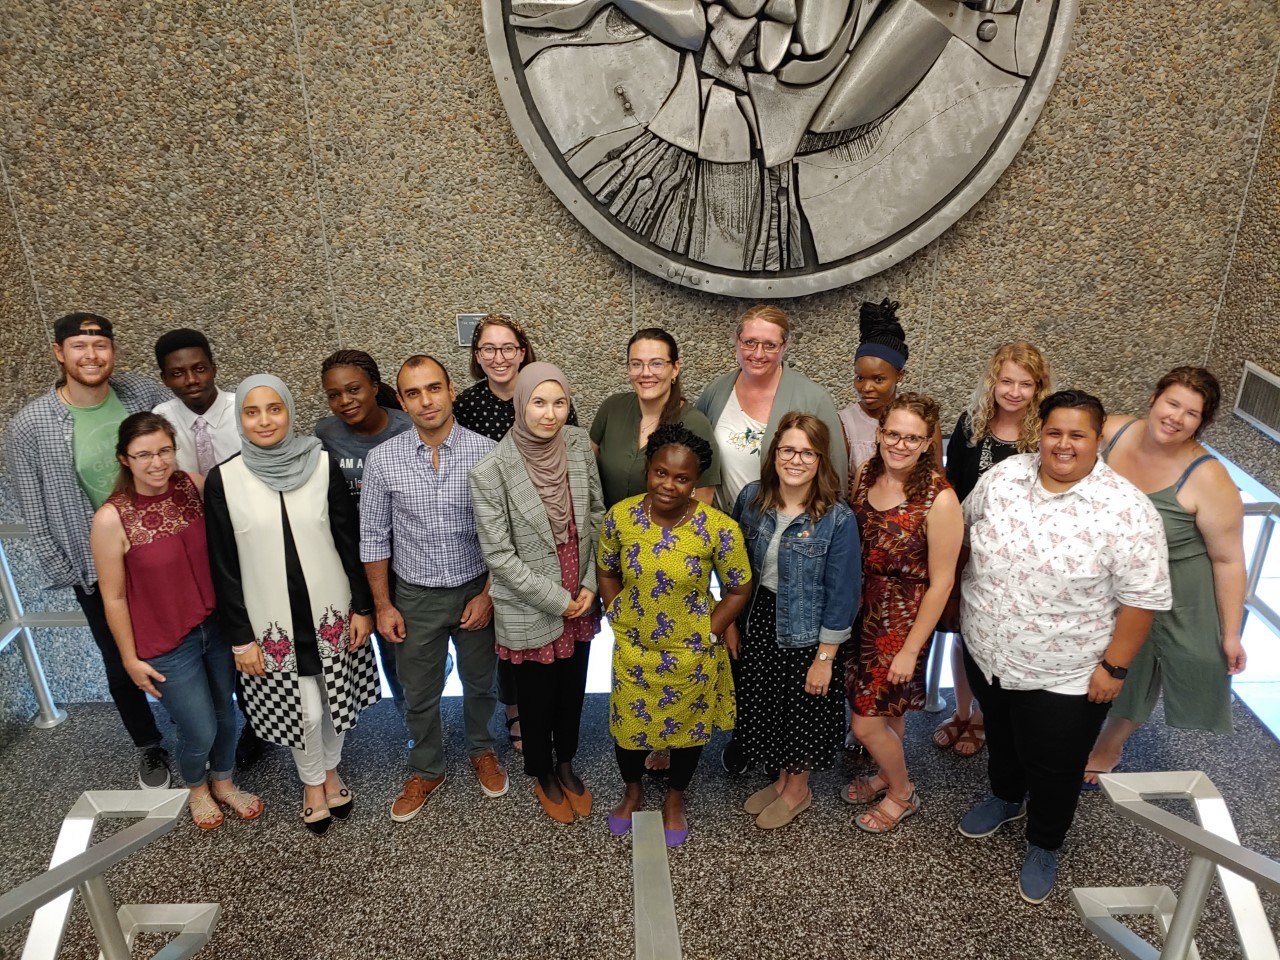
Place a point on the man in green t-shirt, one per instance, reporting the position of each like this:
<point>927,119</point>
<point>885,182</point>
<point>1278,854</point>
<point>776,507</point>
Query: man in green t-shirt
<point>60,484</point>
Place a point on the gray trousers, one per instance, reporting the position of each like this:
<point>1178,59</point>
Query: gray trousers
<point>431,617</point>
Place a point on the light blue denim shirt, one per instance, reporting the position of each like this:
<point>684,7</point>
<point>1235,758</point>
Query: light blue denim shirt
<point>819,570</point>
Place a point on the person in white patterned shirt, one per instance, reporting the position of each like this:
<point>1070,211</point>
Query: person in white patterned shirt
<point>1067,567</point>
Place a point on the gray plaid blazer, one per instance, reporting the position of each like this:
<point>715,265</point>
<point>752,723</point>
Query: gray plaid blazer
<point>515,536</point>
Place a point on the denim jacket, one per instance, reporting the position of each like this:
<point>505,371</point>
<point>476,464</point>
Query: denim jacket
<point>819,570</point>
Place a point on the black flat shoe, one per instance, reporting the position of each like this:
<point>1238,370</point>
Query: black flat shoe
<point>342,810</point>
<point>318,827</point>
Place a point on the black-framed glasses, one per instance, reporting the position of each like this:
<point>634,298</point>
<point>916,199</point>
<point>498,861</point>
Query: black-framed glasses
<point>768,346</point>
<point>489,351</point>
<point>807,457</point>
<point>146,456</point>
<point>892,438</point>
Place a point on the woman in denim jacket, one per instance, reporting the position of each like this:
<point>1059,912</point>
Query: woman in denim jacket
<point>806,567</point>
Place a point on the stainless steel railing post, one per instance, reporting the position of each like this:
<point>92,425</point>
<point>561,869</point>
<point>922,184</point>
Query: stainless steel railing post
<point>101,908</point>
<point>49,714</point>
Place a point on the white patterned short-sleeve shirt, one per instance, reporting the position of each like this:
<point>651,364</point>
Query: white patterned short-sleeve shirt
<point>1047,572</point>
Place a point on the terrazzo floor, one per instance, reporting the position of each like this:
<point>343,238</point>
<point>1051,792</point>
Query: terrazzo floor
<point>473,877</point>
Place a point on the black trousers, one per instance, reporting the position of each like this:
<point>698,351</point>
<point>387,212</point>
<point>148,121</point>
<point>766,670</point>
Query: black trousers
<point>131,702</point>
<point>550,698</point>
<point>1038,743</point>
<point>684,761</point>
<point>507,685</point>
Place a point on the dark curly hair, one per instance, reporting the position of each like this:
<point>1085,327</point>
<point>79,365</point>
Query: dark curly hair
<point>678,435</point>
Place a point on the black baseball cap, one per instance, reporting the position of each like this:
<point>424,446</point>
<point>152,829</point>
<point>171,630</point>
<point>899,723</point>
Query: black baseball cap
<point>82,324</point>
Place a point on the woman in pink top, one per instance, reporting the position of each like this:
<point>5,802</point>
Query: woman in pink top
<point>148,543</point>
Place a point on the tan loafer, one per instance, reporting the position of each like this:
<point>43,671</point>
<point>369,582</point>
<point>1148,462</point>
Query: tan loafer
<point>760,800</point>
<point>780,813</point>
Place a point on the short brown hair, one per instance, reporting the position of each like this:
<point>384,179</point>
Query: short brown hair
<point>1199,380</point>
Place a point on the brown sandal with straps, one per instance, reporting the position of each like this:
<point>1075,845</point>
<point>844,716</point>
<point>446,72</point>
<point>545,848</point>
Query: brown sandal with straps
<point>949,731</point>
<point>975,736</point>
<point>879,820</point>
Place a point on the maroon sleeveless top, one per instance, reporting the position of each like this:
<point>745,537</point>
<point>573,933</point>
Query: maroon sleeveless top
<point>167,580</point>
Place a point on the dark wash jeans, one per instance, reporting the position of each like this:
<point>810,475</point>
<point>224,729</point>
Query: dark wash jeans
<point>1037,746</point>
<point>129,700</point>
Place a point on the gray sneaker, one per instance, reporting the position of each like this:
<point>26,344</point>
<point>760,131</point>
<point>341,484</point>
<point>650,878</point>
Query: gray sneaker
<point>153,768</point>
<point>989,816</point>
<point>1038,874</point>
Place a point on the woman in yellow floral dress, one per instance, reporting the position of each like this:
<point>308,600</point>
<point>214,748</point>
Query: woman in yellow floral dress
<point>671,681</point>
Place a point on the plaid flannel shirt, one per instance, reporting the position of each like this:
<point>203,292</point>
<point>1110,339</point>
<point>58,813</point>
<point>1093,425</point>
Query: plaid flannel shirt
<point>43,473</point>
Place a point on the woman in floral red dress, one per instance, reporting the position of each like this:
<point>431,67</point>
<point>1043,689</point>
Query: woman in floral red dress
<point>911,528</point>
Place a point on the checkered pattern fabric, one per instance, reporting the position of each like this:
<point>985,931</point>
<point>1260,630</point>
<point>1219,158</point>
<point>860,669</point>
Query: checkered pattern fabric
<point>274,704</point>
<point>43,473</point>
<point>352,684</point>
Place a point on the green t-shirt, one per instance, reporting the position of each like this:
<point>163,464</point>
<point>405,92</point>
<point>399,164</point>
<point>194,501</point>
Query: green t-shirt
<point>616,429</point>
<point>93,445</point>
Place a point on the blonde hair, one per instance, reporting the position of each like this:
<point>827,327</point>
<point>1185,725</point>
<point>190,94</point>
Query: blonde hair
<point>982,405</point>
<point>769,314</point>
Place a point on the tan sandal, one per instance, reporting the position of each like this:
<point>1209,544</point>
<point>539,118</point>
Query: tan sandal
<point>204,811</point>
<point>949,731</point>
<point>246,806</point>
<point>862,789</point>
<point>879,820</point>
<point>974,736</point>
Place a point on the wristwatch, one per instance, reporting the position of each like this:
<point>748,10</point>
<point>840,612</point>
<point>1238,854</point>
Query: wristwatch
<point>1118,673</point>
<point>825,656</point>
<point>715,637</point>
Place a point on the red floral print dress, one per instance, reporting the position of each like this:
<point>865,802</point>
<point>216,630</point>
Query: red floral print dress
<point>895,575</point>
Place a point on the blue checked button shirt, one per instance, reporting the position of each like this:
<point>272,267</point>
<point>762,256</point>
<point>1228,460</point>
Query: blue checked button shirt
<point>426,512</point>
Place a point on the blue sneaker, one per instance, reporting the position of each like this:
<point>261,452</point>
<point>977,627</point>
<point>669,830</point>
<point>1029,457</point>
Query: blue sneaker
<point>1039,871</point>
<point>989,816</point>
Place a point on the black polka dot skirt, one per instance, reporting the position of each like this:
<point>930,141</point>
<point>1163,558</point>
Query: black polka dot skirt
<point>780,727</point>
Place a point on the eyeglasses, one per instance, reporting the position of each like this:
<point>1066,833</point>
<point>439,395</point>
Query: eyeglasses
<point>637,367</point>
<point>892,438</point>
<point>807,457</point>
<point>768,346</point>
<point>489,351</point>
<point>146,456</point>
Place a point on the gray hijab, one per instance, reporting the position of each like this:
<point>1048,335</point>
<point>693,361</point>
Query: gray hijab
<point>290,463</point>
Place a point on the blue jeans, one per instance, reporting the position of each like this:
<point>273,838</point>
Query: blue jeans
<point>199,678</point>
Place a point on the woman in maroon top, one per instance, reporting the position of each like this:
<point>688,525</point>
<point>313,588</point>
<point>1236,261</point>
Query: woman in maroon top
<point>148,543</point>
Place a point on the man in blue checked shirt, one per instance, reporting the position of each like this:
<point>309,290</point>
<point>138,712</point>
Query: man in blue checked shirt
<point>61,456</point>
<point>415,493</point>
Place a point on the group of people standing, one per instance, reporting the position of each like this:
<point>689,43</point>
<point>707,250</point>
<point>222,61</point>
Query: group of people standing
<point>209,544</point>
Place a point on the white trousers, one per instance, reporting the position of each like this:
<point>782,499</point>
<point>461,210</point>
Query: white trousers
<point>323,749</point>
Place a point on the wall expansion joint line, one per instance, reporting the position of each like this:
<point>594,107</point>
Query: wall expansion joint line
<point>27,256</point>
<point>1244,206</point>
<point>315,173</point>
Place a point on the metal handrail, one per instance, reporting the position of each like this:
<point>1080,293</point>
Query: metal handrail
<point>77,867</point>
<point>1212,843</point>
<point>19,625</point>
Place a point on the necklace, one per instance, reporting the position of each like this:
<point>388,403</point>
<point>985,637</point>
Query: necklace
<point>688,512</point>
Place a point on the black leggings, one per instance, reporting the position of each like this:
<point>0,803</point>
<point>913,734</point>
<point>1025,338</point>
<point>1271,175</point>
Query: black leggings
<point>130,701</point>
<point>684,761</point>
<point>550,698</point>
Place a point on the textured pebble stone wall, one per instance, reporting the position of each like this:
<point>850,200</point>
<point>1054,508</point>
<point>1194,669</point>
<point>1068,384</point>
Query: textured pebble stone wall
<point>1249,322</point>
<point>295,176</point>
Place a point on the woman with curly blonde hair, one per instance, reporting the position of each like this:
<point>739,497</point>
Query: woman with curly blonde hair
<point>1002,419</point>
<point>911,528</point>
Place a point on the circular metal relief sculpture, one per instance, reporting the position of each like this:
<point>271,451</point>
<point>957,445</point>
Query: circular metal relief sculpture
<point>772,148</point>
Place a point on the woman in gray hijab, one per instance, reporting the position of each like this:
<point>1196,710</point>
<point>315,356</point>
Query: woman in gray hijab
<point>284,546</point>
<point>538,506</point>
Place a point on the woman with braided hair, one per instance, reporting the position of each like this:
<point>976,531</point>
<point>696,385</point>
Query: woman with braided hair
<point>366,413</point>
<point>879,366</point>
<point>671,681</point>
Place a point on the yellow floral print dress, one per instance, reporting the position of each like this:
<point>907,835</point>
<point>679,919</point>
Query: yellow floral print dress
<point>671,686</point>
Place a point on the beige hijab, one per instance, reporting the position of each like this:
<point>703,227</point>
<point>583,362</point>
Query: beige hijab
<point>547,460</point>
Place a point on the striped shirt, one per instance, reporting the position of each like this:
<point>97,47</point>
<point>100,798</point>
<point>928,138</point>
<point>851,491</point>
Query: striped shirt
<point>427,512</point>
<point>42,469</point>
